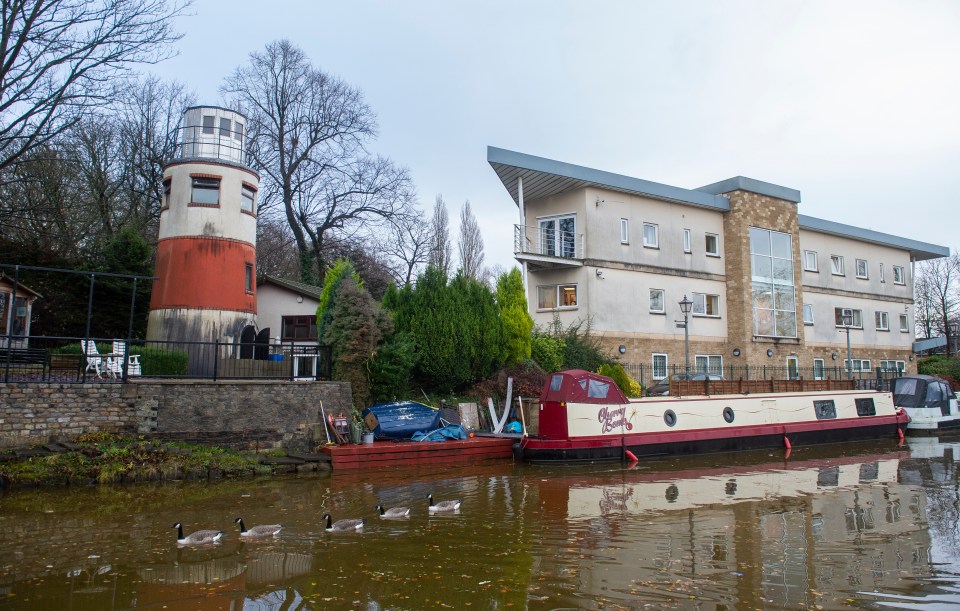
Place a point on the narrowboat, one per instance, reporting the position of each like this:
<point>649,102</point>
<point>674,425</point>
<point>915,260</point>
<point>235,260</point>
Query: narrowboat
<point>930,403</point>
<point>584,416</point>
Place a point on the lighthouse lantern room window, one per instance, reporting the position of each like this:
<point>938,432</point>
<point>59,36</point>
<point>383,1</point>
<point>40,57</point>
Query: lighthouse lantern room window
<point>206,191</point>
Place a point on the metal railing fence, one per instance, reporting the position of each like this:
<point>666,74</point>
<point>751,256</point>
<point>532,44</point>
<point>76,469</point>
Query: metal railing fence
<point>72,360</point>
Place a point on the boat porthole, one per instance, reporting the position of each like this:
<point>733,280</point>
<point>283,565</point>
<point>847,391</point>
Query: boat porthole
<point>728,414</point>
<point>669,417</point>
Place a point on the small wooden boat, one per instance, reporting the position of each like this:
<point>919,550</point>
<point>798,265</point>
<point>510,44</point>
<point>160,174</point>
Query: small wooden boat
<point>584,416</point>
<point>400,419</point>
<point>930,403</point>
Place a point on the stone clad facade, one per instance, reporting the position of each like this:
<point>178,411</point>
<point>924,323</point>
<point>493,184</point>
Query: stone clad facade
<point>622,252</point>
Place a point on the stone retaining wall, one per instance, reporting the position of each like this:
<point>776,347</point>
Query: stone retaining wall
<point>240,413</point>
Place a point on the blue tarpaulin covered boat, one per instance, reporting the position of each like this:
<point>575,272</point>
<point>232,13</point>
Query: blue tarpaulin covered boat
<point>400,419</point>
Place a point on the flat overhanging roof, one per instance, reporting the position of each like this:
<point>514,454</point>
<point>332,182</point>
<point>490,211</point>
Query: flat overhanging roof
<point>546,177</point>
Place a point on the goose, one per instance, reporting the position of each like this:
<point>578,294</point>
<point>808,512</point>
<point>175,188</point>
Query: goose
<point>264,530</point>
<point>342,525</point>
<point>443,506</point>
<point>197,537</point>
<point>393,512</point>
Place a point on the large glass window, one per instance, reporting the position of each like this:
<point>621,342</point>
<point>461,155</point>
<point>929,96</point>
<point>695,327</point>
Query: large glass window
<point>774,296</point>
<point>208,123</point>
<point>558,236</point>
<point>553,296</point>
<point>225,127</point>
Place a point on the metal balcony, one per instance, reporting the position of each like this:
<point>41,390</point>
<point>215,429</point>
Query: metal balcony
<point>547,248</point>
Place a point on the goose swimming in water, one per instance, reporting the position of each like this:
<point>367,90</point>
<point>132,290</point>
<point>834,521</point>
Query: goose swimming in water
<point>442,506</point>
<point>264,530</point>
<point>394,512</point>
<point>344,525</point>
<point>197,537</point>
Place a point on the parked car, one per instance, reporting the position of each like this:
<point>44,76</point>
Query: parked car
<point>662,387</point>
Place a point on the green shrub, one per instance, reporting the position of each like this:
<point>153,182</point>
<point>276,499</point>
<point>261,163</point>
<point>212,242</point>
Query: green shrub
<point>941,366</point>
<point>547,351</point>
<point>158,362</point>
<point>627,384</point>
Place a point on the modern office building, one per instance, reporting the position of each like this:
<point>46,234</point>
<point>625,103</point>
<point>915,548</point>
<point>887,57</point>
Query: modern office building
<point>766,285</point>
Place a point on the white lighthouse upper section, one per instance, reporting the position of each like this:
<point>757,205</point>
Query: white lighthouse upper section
<point>211,132</point>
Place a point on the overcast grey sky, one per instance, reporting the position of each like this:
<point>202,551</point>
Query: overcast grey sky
<point>855,104</point>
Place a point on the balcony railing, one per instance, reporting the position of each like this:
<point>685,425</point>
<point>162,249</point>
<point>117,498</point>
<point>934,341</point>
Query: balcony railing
<point>541,242</point>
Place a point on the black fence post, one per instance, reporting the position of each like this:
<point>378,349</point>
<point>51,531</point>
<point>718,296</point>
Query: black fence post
<point>216,357</point>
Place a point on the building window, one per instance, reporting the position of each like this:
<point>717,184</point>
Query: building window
<point>706,305</point>
<point>205,191</point>
<point>296,328</point>
<point>238,131</point>
<point>862,269</point>
<point>882,279</point>
<point>557,296</point>
<point>893,366</point>
<point>659,366</point>
<point>774,297</point>
<point>686,240</point>
<point>708,363</point>
<point>898,276</point>
<point>904,326</point>
<point>883,322</point>
<point>858,365</point>
<point>651,237</point>
<point>817,369</point>
<point>624,231</point>
<point>167,185</point>
<point>248,277</point>
<point>208,124</point>
<point>224,127</point>
<point>810,260</point>
<point>836,265</point>
<point>857,317</point>
<point>657,301</point>
<point>713,245</point>
<point>17,318</point>
<point>247,198</point>
<point>557,236</point>
<point>808,313</point>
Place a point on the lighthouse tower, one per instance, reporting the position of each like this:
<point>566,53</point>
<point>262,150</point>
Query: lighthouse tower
<point>206,252</point>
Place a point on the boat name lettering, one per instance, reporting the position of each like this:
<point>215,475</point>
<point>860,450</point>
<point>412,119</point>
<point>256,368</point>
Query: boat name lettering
<point>612,417</point>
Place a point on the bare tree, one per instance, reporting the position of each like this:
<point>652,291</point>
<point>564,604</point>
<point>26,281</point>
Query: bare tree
<point>938,295</point>
<point>470,245</point>
<point>308,131</point>
<point>409,247</point>
<point>60,58</point>
<point>441,253</point>
<point>276,249</point>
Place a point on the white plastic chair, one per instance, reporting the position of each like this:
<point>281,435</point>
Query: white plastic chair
<point>94,361</point>
<point>116,364</point>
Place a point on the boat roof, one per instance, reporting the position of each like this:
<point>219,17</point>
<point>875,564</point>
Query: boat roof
<point>581,386</point>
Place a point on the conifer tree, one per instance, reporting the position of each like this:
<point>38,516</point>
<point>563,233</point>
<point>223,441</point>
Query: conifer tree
<point>516,320</point>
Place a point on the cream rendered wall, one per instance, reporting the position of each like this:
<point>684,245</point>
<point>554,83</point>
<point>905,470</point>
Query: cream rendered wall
<point>274,302</point>
<point>826,245</point>
<point>225,221</point>
<point>603,232</point>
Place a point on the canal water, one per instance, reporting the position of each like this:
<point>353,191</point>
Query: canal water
<point>860,526</point>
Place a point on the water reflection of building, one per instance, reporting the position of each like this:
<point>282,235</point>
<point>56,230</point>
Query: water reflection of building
<point>775,534</point>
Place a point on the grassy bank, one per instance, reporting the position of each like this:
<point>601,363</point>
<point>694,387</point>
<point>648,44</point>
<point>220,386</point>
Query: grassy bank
<point>101,458</point>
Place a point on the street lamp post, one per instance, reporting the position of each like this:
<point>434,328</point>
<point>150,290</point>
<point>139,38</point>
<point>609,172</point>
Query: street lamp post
<point>846,317</point>
<point>685,307</point>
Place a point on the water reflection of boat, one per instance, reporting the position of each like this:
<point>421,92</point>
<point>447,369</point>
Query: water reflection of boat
<point>211,584</point>
<point>584,417</point>
<point>639,492</point>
